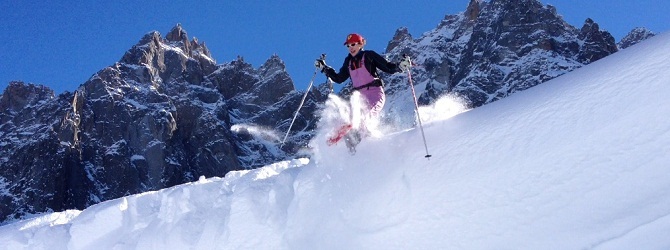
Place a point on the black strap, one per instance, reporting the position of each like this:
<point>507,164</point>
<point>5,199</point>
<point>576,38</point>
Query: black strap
<point>376,83</point>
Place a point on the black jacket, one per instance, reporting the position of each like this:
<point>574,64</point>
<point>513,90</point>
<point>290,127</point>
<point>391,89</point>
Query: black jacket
<point>373,61</point>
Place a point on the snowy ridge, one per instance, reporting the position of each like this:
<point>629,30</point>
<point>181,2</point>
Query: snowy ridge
<point>576,163</point>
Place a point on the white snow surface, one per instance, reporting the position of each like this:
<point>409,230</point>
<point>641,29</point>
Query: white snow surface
<point>579,162</point>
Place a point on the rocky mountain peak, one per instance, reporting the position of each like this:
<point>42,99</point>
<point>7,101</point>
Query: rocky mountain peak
<point>179,37</point>
<point>589,26</point>
<point>18,95</point>
<point>519,12</point>
<point>597,43</point>
<point>401,35</point>
<point>162,60</point>
<point>152,120</point>
<point>239,64</point>
<point>153,37</point>
<point>635,36</point>
<point>177,34</point>
<point>275,79</point>
<point>269,82</point>
<point>201,48</point>
<point>273,65</point>
<point>495,48</point>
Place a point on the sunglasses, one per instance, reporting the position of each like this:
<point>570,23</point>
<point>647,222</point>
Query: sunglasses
<point>352,44</point>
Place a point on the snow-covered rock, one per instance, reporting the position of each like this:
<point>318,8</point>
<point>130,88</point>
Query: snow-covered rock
<point>635,36</point>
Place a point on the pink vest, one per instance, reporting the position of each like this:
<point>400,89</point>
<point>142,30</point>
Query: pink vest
<point>374,96</point>
<point>360,76</point>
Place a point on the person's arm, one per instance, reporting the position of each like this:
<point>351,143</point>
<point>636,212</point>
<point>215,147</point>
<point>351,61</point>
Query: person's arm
<point>381,63</point>
<point>340,77</point>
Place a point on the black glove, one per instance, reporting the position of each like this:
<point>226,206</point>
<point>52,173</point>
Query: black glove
<point>320,64</point>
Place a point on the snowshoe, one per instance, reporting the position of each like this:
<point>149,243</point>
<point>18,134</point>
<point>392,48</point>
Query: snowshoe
<point>339,134</point>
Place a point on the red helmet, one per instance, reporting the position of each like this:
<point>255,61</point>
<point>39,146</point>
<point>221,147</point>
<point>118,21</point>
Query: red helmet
<point>354,38</point>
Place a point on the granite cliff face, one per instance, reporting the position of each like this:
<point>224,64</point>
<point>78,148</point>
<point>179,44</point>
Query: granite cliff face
<point>167,113</point>
<point>32,160</point>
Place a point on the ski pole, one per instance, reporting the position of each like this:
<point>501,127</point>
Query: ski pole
<point>299,107</point>
<point>416,106</point>
<point>330,85</point>
<point>311,82</point>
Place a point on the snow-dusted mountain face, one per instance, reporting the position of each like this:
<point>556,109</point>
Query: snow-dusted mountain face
<point>491,50</point>
<point>167,113</point>
<point>163,115</point>
<point>634,37</point>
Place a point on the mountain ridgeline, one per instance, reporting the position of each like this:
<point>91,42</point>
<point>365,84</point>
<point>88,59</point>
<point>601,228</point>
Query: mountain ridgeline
<point>167,113</point>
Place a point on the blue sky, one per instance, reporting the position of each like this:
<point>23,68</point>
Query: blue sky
<point>61,44</point>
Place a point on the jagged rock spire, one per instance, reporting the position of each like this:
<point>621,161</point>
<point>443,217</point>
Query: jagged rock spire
<point>597,43</point>
<point>401,34</point>
<point>273,64</point>
<point>177,34</point>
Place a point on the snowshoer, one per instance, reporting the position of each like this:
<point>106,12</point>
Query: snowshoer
<point>361,66</point>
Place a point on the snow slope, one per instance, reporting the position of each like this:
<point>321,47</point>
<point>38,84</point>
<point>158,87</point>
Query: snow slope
<point>580,162</point>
